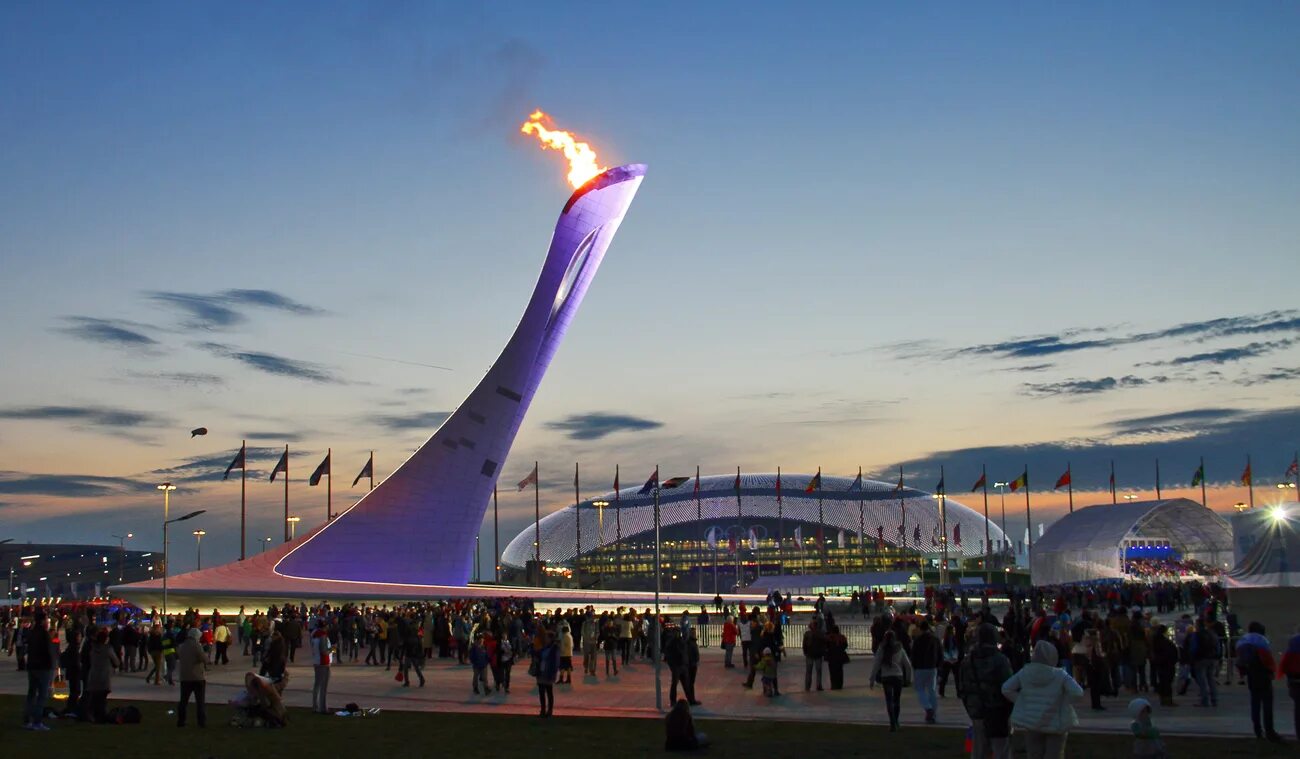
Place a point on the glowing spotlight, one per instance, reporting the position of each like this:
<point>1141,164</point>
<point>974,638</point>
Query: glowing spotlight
<point>1279,514</point>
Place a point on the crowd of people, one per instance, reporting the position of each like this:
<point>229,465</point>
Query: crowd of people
<point>1023,669</point>
<point>1145,570</point>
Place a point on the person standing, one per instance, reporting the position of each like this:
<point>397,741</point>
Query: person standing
<point>99,679</point>
<point>837,655</point>
<point>729,634</point>
<point>546,665</point>
<point>321,648</point>
<point>814,652</point>
<point>1203,647</point>
<point>41,655</point>
<point>1255,662</point>
<point>746,642</point>
<point>1164,663</point>
<point>926,655</point>
<point>979,685</point>
<point>692,665</point>
<point>1042,694</point>
<point>221,637</point>
<point>1290,668</point>
<point>590,632</point>
<point>893,670</point>
<point>193,672</point>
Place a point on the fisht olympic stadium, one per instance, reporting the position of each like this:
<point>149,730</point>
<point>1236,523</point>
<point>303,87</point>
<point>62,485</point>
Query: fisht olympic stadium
<point>716,536</point>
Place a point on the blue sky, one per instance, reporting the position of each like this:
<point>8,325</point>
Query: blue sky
<point>217,214</point>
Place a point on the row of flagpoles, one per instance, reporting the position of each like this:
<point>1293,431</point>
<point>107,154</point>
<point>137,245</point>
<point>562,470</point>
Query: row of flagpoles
<point>240,462</point>
<point>653,485</point>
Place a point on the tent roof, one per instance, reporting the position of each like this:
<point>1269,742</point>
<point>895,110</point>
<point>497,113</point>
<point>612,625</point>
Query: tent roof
<point>1182,521</point>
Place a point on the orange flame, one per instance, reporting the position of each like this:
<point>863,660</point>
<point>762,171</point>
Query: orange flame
<point>582,159</point>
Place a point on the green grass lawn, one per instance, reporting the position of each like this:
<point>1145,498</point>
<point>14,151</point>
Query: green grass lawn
<point>422,734</point>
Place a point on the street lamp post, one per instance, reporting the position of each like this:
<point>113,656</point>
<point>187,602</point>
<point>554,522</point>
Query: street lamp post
<point>1002,496</point>
<point>198,548</point>
<point>121,542</point>
<point>293,526</point>
<point>167,488</point>
<point>265,542</point>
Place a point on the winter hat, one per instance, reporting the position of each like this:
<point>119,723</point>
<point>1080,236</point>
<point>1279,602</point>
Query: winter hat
<point>1044,653</point>
<point>194,633</point>
<point>1136,706</point>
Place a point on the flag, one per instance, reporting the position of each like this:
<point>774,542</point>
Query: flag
<point>1199,476</point>
<point>880,536</point>
<point>839,541</point>
<point>956,534</point>
<point>366,471</point>
<point>697,482</point>
<point>1063,480</point>
<point>978,483</point>
<point>916,534</point>
<point>238,462</point>
<point>798,537</point>
<point>198,431</point>
<point>938,489</point>
<point>1020,482</point>
<point>1245,476</point>
<point>531,479</point>
<point>856,487</point>
<point>815,483</point>
<point>753,539</point>
<point>282,466</point>
<point>323,469</point>
<point>1294,469</point>
<point>778,485</point>
<point>736,485</point>
<point>899,486</point>
<point>616,479</point>
<point>712,537</point>
<point>731,544</point>
<point>650,484</point>
<point>675,482</point>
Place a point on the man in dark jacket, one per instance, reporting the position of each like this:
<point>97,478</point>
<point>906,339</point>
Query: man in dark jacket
<point>1164,663</point>
<point>678,667</point>
<point>292,632</point>
<point>814,652</point>
<point>927,652</point>
<point>41,655</point>
<point>980,686</point>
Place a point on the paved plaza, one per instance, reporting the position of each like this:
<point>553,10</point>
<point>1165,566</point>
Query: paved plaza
<point>631,694</point>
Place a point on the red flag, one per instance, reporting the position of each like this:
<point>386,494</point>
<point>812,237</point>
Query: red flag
<point>978,483</point>
<point>731,544</point>
<point>531,479</point>
<point>1245,476</point>
<point>1063,480</point>
<point>1294,469</point>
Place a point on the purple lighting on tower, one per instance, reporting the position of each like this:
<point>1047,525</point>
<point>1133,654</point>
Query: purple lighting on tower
<point>418,526</point>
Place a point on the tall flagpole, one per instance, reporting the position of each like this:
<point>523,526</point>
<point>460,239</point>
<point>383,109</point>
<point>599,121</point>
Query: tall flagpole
<point>862,520</point>
<point>821,522</point>
<point>1250,481</point>
<point>286,492</point>
<point>988,548</point>
<point>1112,482</point>
<point>699,569</point>
<point>243,496</point>
<point>903,508</point>
<point>1029,524</point>
<point>537,526</point>
<point>780,525</point>
<point>1202,481</point>
<point>618,527</point>
<point>943,526</point>
<point>372,472</point>
<point>1157,479</point>
<point>577,520</point>
<point>1296,458</point>
<point>329,486</point>
<point>658,621</point>
<point>1069,484</point>
<point>740,521</point>
<point>496,537</point>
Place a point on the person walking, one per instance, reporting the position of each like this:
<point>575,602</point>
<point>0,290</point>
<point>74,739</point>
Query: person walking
<point>1289,667</point>
<point>221,637</point>
<point>413,652</point>
<point>1042,694</point>
<point>193,674</point>
<point>927,653</point>
<point>41,655</point>
<point>893,670</point>
<point>979,685</point>
<point>814,652</point>
<point>155,649</point>
<point>1255,662</point>
<point>746,641</point>
<point>1203,648</point>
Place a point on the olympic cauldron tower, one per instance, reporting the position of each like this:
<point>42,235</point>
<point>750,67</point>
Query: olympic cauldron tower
<point>418,526</point>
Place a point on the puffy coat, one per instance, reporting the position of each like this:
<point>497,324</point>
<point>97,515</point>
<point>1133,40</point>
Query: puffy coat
<point>1042,696</point>
<point>102,663</point>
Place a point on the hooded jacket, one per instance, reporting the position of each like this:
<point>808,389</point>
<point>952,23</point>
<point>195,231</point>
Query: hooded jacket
<point>1042,694</point>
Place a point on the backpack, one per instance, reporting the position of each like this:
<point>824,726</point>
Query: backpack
<point>124,715</point>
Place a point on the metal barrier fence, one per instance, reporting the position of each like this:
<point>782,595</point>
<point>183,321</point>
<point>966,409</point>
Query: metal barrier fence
<point>858,635</point>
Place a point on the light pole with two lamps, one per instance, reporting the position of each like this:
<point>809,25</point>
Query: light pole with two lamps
<point>198,548</point>
<point>293,526</point>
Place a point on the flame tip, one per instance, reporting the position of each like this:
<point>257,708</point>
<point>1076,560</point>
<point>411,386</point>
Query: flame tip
<point>581,157</point>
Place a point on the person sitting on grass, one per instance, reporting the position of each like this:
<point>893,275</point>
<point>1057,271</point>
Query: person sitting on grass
<point>258,704</point>
<point>681,729</point>
<point>1146,736</point>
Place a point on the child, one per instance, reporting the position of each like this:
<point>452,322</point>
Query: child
<point>1146,736</point>
<point>767,667</point>
<point>478,659</point>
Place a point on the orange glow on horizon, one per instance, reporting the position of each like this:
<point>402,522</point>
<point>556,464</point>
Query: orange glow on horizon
<point>582,159</point>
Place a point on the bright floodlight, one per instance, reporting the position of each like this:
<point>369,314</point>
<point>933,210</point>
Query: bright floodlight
<point>1279,514</point>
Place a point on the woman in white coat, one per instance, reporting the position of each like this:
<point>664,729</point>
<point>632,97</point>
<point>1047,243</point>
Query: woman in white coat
<point>1042,694</point>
